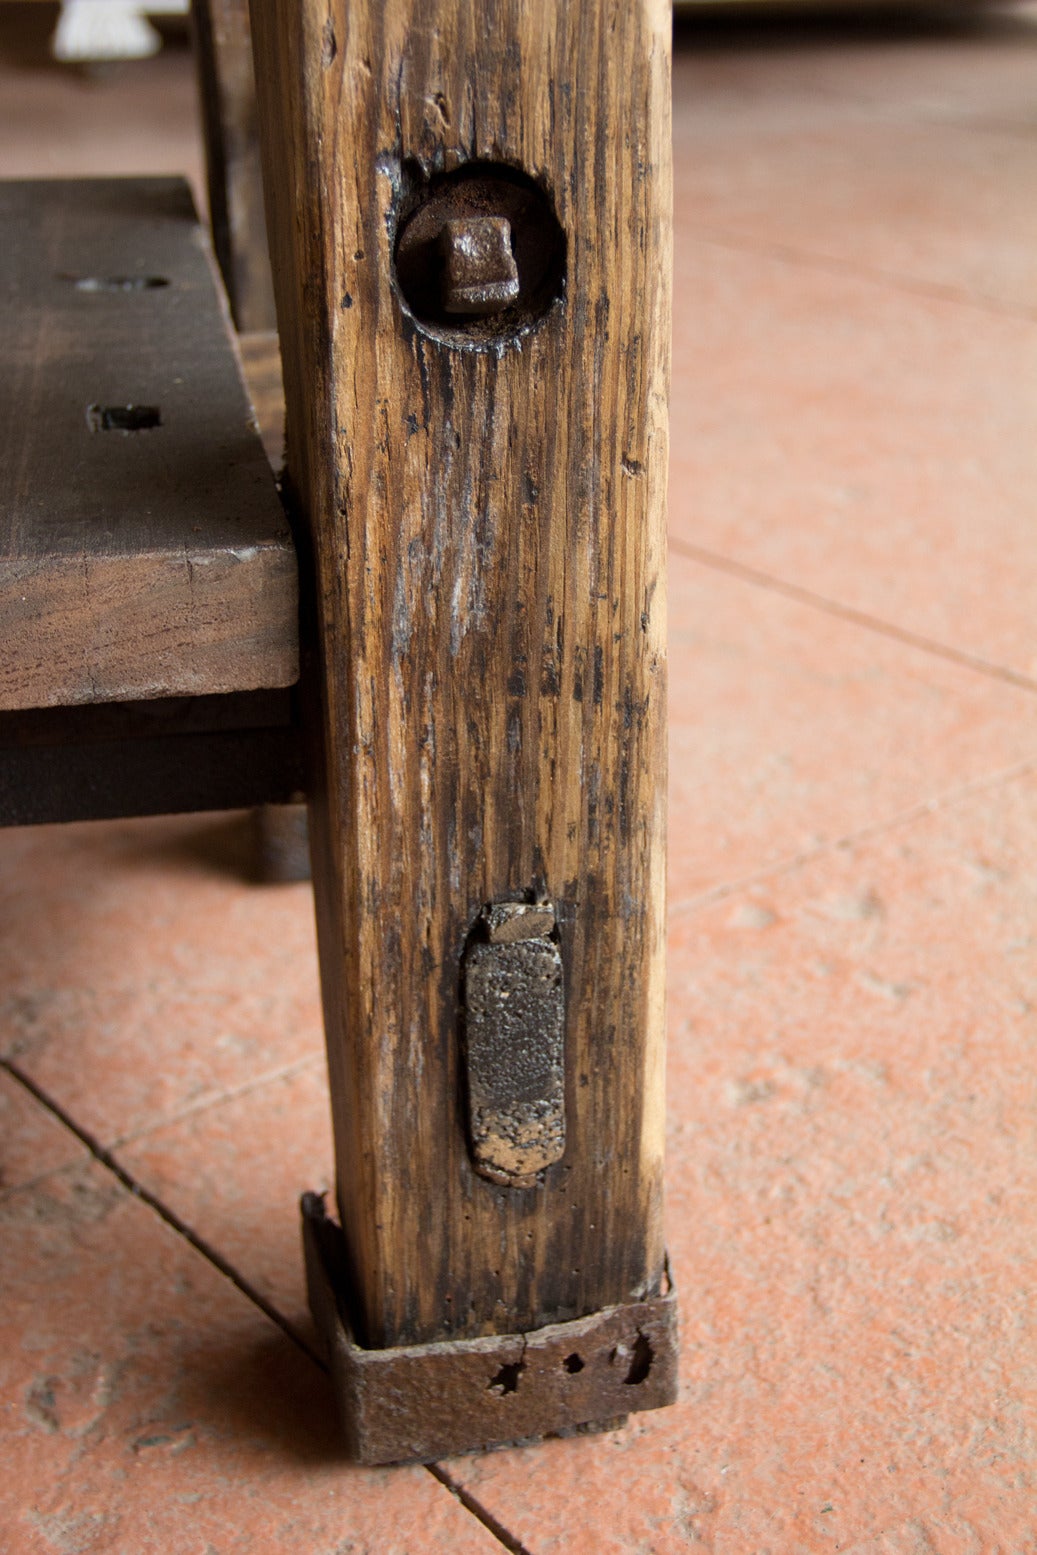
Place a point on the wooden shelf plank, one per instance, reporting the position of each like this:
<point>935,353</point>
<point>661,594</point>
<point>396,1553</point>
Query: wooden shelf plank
<point>133,564</point>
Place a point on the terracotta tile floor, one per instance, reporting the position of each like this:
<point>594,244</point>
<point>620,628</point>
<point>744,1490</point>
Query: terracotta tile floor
<point>852,1170</point>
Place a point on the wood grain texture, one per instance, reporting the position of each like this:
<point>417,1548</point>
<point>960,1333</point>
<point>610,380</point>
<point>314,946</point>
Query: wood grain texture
<point>486,628</point>
<point>223,54</point>
<point>261,365</point>
<point>132,564</point>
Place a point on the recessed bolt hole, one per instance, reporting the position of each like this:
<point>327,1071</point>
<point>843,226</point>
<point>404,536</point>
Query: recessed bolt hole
<point>574,1363</point>
<point>479,255</point>
<point>507,1379</point>
<point>123,418</point>
<point>117,283</point>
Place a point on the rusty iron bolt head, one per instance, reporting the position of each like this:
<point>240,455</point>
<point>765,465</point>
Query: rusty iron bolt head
<point>479,271</point>
<point>479,256</point>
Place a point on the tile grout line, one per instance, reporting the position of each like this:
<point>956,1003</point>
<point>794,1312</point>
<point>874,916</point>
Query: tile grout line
<point>802,596</point>
<point>288,1071</point>
<point>983,126</point>
<point>28,1183</point>
<point>945,801</point>
<point>105,1158</point>
<point>895,280</point>
<point>478,1511</point>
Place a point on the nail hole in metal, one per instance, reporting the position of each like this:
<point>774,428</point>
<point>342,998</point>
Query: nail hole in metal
<point>507,1379</point>
<point>640,1361</point>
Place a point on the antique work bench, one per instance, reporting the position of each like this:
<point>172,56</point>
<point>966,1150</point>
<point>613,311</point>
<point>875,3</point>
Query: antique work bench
<point>447,630</point>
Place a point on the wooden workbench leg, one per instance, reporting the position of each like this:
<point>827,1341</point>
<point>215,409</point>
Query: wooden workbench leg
<point>469,221</point>
<point>227,98</point>
<point>223,57</point>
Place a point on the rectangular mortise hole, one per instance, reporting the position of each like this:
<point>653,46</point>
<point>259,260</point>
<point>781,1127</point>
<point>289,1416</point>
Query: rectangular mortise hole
<point>123,418</point>
<point>117,283</point>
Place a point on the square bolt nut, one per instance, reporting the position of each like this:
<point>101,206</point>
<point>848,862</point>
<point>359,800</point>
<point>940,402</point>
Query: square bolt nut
<point>479,271</point>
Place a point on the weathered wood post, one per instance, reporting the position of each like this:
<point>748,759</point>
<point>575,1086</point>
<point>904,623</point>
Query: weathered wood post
<point>469,219</point>
<point>227,94</point>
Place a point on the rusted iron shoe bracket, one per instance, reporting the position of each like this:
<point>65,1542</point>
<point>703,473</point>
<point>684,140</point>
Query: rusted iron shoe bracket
<point>421,1402</point>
